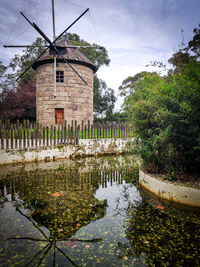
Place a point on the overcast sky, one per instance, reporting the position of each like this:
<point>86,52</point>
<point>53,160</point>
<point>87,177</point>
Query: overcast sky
<point>134,32</point>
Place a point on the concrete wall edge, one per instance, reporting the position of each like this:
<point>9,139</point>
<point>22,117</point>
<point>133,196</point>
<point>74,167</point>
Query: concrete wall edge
<point>173,192</point>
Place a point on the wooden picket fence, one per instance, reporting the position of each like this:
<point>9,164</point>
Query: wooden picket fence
<point>31,135</point>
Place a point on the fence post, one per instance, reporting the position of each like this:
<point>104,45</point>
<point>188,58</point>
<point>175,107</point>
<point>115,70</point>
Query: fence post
<point>43,136</point>
<point>36,135</point>
<point>2,137</point>
<point>98,126</point>
<point>61,133</point>
<point>54,135</point>
<point>65,131</point>
<point>58,134</point>
<point>78,136</point>
<point>85,132</point>
<point>82,129</point>
<point>32,135</point>
<point>88,129</point>
<point>92,133</point>
<point>20,136</point>
<point>11,136</point>
<point>72,131</point>
<point>51,135</point>
<point>47,131</point>
<point>39,134</point>
<point>16,134</point>
<point>68,134</point>
<point>28,134</point>
<point>75,132</point>
<point>23,134</point>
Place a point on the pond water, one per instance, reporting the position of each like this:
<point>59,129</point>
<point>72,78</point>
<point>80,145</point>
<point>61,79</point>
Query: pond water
<point>90,212</point>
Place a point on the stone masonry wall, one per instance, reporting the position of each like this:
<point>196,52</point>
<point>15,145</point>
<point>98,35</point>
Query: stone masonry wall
<point>72,95</point>
<point>86,147</point>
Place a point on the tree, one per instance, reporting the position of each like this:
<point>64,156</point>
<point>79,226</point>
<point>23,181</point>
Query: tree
<point>117,117</point>
<point>194,44</point>
<point>186,54</point>
<point>2,74</point>
<point>20,62</point>
<point>104,98</point>
<point>179,60</point>
<point>18,104</point>
<point>128,84</point>
<point>98,56</point>
<point>131,89</point>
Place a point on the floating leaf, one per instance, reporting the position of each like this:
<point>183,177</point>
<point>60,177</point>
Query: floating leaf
<point>160,207</point>
<point>56,194</point>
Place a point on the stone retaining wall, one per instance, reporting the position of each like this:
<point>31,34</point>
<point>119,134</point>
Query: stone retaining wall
<point>86,147</point>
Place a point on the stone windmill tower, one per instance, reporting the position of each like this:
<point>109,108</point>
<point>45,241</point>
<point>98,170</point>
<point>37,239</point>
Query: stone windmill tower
<point>73,99</point>
<point>64,79</point>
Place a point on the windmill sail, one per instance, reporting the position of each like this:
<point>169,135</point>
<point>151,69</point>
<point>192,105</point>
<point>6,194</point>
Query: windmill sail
<point>51,44</point>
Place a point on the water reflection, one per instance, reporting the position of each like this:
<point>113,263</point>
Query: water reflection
<point>87,213</point>
<point>159,235</point>
<point>56,203</point>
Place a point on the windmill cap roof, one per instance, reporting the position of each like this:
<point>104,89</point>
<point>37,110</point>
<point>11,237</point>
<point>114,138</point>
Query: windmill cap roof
<point>72,55</point>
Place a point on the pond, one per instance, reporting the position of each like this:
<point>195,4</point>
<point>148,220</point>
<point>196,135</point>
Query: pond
<point>91,212</point>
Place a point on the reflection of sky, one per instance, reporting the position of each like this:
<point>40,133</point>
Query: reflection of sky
<point>115,192</point>
<point>112,224</point>
<point>111,228</point>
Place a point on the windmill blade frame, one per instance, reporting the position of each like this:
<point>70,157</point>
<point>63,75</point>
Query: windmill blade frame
<point>56,50</point>
<point>44,46</point>
<point>43,35</point>
<point>51,44</point>
<point>71,25</point>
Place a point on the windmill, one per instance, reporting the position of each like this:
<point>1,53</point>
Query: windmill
<point>59,51</point>
<point>54,49</point>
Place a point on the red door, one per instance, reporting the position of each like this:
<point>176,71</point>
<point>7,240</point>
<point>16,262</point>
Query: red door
<point>59,115</point>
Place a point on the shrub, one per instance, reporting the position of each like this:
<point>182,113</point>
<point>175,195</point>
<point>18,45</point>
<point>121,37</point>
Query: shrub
<point>165,113</point>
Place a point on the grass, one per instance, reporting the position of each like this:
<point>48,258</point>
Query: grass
<point>83,134</point>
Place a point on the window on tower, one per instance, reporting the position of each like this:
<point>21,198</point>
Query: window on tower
<point>59,76</point>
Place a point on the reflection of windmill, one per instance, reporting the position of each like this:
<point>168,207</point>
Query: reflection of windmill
<point>72,101</point>
<point>51,243</point>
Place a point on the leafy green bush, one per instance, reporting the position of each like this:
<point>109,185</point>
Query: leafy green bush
<point>165,113</point>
